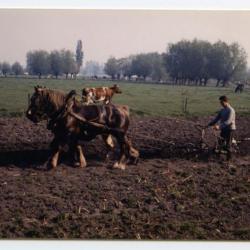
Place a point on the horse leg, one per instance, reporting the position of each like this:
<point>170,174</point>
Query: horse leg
<point>82,160</point>
<point>72,151</point>
<point>54,159</point>
<point>56,149</point>
<point>76,152</point>
<point>133,154</point>
<point>109,144</point>
<point>121,163</point>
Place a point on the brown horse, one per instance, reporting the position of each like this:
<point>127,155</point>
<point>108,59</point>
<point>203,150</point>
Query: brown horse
<point>71,121</point>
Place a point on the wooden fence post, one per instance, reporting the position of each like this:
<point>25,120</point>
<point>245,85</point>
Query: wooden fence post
<point>28,99</point>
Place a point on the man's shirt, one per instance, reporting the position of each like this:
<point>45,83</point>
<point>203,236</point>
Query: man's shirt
<point>226,116</point>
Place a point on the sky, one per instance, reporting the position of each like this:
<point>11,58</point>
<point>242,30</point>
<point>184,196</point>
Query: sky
<point>118,33</point>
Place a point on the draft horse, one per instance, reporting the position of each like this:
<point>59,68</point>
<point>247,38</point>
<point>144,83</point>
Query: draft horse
<point>71,122</point>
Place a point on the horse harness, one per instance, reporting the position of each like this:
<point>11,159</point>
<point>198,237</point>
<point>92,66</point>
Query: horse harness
<point>85,124</point>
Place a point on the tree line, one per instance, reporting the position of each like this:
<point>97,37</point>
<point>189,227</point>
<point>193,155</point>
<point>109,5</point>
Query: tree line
<point>41,62</point>
<point>57,62</point>
<point>185,62</point>
<point>142,65</point>
<point>14,69</point>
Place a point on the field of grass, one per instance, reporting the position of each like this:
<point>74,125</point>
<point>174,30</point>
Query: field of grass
<point>143,99</point>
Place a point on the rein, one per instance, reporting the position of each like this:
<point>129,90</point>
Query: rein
<point>61,113</point>
<point>94,124</point>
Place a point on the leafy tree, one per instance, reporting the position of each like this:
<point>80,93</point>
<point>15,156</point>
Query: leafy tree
<point>68,62</point>
<point>17,69</point>
<point>74,70</point>
<point>238,60</point>
<point>56,63</point>
<point>218,59</point>
<point>121,67</point>
<point>204,50</point>
<point>177,60</point>
<point>111,67</point>
<point>38,63</point>
<point>6,68</point>
<point>197,61</point>
<point>158,70</point>
<point>226,61</point>
<point>186,60</point>
<point>79,55</point>
<point>142,65</point>
<point>92,68</point>
<point>125,66</point>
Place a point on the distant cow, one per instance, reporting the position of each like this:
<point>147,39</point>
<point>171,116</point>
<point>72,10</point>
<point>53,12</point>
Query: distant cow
<point>239,88</point>
<point>102,94</point>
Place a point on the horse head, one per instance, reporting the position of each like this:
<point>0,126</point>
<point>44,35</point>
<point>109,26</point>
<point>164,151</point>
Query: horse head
<point>44,103</point>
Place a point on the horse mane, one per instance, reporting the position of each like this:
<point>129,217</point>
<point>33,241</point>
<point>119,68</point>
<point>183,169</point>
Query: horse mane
<point>58,98</point>
<point>55,97</point>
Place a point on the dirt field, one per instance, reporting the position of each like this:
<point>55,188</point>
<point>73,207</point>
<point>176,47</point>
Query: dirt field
<point>175,192</point>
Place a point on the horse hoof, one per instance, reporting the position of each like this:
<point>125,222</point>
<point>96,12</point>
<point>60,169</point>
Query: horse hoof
<point>121,166</point>
<point>136,161</point>
<point>50,166</point>
<point>80,165</point>
<point>133,161</point>
<point>76,164</point>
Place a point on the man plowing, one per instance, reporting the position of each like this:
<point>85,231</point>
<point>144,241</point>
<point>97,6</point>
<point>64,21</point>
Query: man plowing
<point>226,119</point>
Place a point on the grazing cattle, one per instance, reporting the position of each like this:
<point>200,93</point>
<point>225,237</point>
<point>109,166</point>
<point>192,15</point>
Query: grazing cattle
<point>239,88</point>
<point>103,94</point>
<point>71,121</point>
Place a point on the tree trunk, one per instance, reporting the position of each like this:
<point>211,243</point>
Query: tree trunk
<point>224,83</point>
<point>205,82</point>
<point>218,83</point>
<point>200,80</point>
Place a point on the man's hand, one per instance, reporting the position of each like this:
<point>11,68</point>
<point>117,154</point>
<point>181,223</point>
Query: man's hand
<point>216,127</point>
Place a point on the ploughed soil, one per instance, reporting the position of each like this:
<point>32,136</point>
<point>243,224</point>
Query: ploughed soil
<point>177,190</point>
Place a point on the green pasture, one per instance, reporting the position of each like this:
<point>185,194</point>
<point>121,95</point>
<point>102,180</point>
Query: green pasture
<point>143,99</point>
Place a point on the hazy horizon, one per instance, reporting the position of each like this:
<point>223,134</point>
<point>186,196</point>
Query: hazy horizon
<point>118,33</point>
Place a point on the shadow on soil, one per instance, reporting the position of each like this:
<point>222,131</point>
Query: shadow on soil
<point>24,158</point>
<point>35,158</point>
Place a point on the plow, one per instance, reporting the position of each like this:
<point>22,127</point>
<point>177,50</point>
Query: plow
<point>207,142</point>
